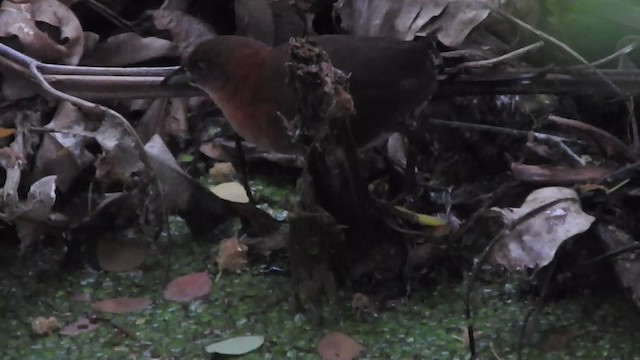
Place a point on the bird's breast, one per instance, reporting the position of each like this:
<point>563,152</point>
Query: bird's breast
<point>256,120</point>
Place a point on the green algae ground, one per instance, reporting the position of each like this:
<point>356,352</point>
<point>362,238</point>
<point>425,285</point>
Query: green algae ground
<point>427,326</point>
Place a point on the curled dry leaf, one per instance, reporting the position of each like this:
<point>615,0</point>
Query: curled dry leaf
<point>534,241</point>
<point>186,288</point>
<point>42,325</point>
<point>451,19</point>
<point>121,305</point>
<point>232,255</point>
<point>338,346</point>
<point>127,49</point>
<point>80,326</point>
<point>19,18</point>
<point>185,30</point>
<point>35,211</point>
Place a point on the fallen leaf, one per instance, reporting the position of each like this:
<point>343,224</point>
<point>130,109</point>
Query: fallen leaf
<point>236,346</point>
<point>535,240</point>
<point>451,20</point>
<point>231,191</point>
<point>338,346</point>
<point>121,305</point>
<point>186,288</point>
<point>42,325</point>
<point>232,255</point>
<point>80,326</point>
<point>128,48</point>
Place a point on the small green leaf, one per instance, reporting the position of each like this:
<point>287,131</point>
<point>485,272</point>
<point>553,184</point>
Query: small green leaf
<point>236,346</point>
<point>185,158</point>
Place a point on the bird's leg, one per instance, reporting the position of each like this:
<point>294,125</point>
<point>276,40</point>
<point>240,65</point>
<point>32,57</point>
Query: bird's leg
<point>242,168</point>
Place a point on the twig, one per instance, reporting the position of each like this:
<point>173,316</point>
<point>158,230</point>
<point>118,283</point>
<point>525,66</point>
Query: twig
<point>625,50</point>
<point>485,256</point>
<point>628,98</point>
<point>489,62</point>
<point>110,15</point>
<point>500,130</point>
<point>94,108</point>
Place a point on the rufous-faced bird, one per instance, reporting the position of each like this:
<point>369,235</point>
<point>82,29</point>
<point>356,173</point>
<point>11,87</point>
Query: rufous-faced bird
<point>246,79</point>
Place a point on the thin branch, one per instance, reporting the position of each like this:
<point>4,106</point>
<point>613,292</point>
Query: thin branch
<point>628,97</point>
<point>489,62</point>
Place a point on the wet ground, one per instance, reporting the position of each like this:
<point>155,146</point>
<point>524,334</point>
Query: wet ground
<point>427,326</point>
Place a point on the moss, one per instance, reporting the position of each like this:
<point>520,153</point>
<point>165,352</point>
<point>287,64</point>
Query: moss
<point>429,325</point>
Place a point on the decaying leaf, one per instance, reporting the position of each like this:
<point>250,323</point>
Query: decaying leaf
<point>452,20</point>
<point>186,30</point>
<point>80,326</point>
<point>534,242</point>
<point>338,346</point>
<point>35,211</point>
<point>42,325</point>
<point>232,255</point>
<point>127,49</point>
<point>121,305</point>
<point>187,288</point>
<point>18,18</point>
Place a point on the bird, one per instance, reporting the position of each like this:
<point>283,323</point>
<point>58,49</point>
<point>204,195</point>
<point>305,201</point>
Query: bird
<point>246,79</point>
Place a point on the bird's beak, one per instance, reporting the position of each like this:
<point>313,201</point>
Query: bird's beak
<point>180,76</point>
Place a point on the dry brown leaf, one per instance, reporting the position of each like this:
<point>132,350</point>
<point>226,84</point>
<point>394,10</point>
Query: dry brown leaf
<point>232,255</point>
<point>214,151</point>
<point>535,240</point>
<point>186,30</point>
<point>338,346</point>
<point>186,288</point>
<point>19,19</point>
<point>121,305</point>
<point>42,325</point>
<point>80,326</point>
<point>127,49</point>
<point>451,19</point>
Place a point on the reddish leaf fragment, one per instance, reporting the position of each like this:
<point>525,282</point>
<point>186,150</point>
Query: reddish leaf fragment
<point>80,326</point>
<point>338,346</point>
<point>186,288</point>
<point>121,305</point>
<point>232,255</point>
